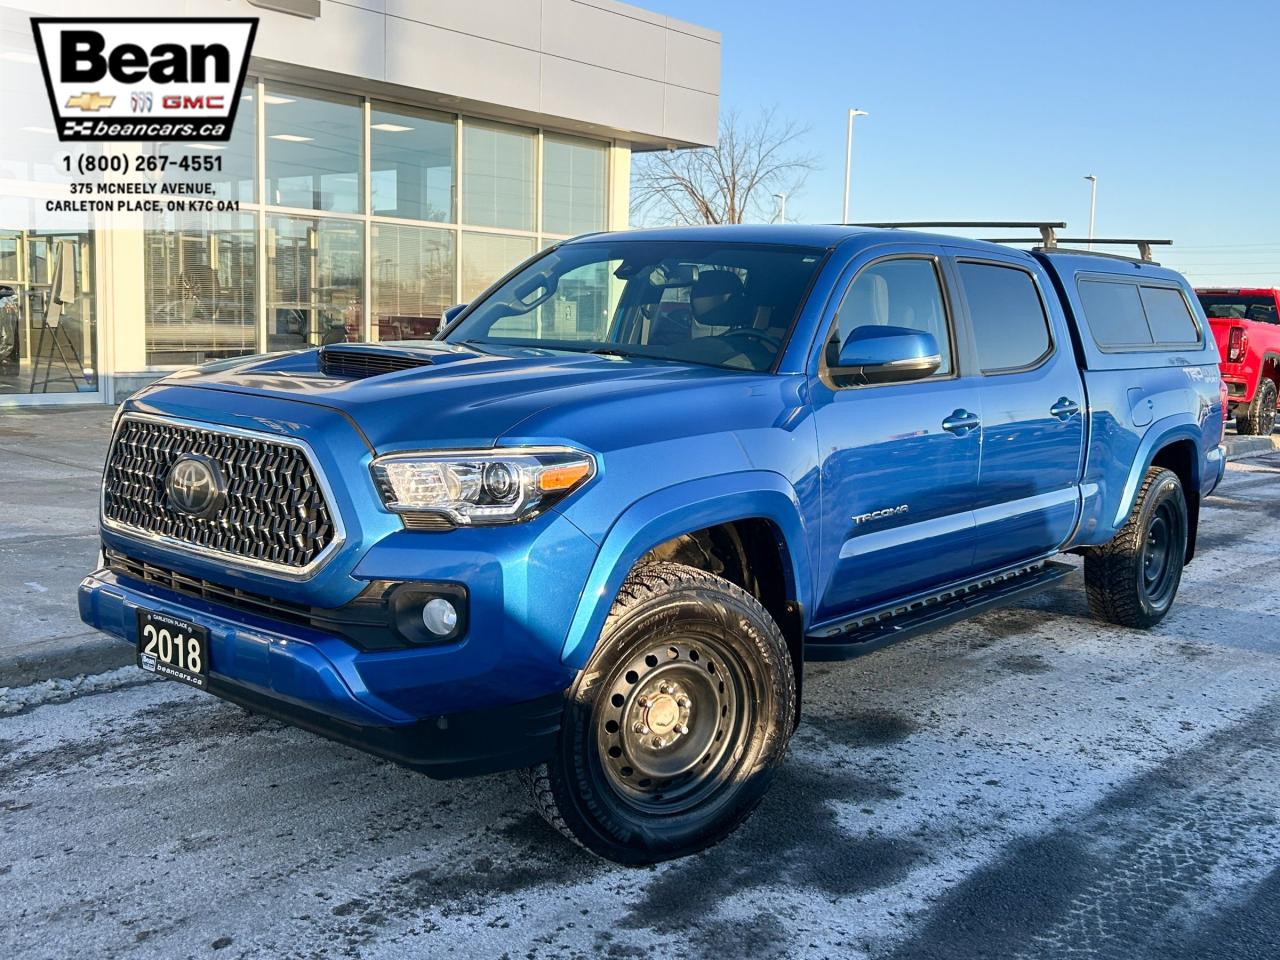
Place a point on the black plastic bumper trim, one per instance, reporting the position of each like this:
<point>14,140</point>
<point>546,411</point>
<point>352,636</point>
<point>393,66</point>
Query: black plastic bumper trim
<point>444,747</point>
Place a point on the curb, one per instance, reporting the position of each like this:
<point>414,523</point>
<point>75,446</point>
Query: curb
<point>1242,448</point>
<point>63,658</point>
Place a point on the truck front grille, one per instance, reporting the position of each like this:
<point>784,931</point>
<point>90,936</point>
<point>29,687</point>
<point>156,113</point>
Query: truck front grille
<point>273,512</point>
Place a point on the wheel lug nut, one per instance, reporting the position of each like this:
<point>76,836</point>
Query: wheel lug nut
<point>683,703</point>
<point>682,729</point>
<point>657,741</point>
<point>665,688</point>
<point>643,701</point>
<point>640,728</point>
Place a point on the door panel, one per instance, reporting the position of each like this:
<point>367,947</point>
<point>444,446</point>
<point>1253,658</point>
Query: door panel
<point>899,461</point>
<point>897,492</point>
<point>1032,407</point>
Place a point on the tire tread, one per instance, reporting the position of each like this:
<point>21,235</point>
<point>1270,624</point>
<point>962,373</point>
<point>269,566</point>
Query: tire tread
<point>1252,420</point>
<point>647,581</point>
<point>1108,568</point>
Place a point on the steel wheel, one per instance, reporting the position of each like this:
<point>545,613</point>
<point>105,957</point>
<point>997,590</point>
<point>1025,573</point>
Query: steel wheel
<point>667,720</point>
<point>674,729</point>
<point>1159,571</point>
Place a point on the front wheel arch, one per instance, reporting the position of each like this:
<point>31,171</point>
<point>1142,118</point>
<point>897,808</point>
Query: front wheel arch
<point>680,510</point>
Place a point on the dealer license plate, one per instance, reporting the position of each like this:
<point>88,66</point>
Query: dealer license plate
<point>173,648</point>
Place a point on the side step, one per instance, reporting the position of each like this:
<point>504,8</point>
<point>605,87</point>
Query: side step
<point>877,630</point>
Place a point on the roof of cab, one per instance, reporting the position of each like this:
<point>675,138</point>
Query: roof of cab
<point>791,234</point>
<point>1069,262</point>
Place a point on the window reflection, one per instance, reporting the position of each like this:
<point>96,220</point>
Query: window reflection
<point>201,287</point>
<point>413,271</point>
<point>497,175</point>
<point>59,356</point>
<point>238,157</point>
<point>573,185</point>
<point>412,164</point>
<point>488,256</point>
<point>315,278</point>
<point>314,149</point>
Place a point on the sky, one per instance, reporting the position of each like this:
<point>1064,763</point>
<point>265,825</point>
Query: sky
<point>997,109</point>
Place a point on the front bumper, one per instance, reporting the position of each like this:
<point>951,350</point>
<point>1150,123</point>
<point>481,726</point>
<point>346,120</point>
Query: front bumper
<point>317,682</point>
<point>445,747</point>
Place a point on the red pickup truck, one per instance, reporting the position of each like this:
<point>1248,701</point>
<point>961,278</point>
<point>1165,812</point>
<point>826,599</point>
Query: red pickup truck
<point>1246,324</point>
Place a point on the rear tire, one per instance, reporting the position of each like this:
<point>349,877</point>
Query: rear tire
<point>675,729</point>
<point>1133,580</point>
<point>1259,417</point>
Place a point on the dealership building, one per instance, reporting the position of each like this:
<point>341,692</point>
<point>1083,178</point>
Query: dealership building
<point>390,158</point>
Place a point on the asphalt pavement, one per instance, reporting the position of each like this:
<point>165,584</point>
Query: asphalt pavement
<point>1029,784</point>
<point>50,475</point>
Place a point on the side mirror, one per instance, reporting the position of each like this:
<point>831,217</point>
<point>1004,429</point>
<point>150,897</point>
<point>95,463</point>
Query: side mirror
<point>446,318</point>
<point>887,355</point>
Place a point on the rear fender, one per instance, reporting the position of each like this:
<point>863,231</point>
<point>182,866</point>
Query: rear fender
<point>1161,434</point>
<point>683,508</point>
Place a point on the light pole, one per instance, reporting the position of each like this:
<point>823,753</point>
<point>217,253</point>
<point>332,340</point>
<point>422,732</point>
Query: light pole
<point>848,159</point>
<point>781,216</point>
<point>1093,204</point>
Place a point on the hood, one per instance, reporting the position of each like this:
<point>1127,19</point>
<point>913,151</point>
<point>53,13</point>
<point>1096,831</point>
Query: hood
<point>458,396</point>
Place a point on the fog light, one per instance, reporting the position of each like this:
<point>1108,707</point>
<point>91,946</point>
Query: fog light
<point>440,616</point>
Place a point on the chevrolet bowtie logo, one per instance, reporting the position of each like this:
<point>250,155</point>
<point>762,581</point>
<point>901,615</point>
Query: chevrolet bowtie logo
<point>90,101</point>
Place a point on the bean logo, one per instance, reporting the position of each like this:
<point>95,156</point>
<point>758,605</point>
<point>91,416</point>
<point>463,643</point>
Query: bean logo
<point>138,78</point>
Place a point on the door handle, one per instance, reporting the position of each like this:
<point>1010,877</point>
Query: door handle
<point>1065,408</point>
<point>961,422</point>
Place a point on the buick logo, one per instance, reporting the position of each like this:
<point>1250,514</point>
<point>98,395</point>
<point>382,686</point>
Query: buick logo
<point>195,486</point>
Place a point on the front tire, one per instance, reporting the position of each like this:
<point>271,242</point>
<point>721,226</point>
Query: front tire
<point>1259,417</point>
<point>676,727</point>
<point>1132,580</point>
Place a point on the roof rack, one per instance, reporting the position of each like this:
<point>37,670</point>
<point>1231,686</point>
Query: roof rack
<point>1048,240</point>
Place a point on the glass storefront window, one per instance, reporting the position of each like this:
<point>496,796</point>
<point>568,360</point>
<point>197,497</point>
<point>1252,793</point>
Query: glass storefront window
<point>488,256</point>
<point>573,184</point>
<point>9,255</point>
<point>413,280</point>
<point>497,175</point>
<point>201,287</point>
<point>411,164</point>
<point>238,156</point>
<point>47,347</point>
<point>315,281</point>
<point>317,253</point>
<point>12,312</point>
<point>315,149</point>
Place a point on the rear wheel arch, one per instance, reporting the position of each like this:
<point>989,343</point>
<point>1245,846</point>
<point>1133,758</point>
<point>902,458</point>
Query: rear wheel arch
<point>1181,456</point>
<point>1270,367</point>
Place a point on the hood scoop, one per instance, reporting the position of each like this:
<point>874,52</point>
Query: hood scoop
<point>352,361</point>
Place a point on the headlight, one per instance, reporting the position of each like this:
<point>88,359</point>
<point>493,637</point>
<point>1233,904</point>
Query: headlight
<point>481,486</point>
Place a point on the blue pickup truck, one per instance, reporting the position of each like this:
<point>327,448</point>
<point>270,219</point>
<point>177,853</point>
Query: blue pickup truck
<point>595,528</point>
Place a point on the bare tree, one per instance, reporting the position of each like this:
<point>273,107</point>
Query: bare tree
<point>731,182</point>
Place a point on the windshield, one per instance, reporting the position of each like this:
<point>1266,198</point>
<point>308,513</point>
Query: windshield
<point>1232,307</point>
<point>720,304</point>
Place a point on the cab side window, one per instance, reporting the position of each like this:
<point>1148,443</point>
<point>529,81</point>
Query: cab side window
<point>895,293</point>
<point>1010,327</point>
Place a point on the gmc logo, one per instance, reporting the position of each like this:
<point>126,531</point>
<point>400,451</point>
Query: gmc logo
<point>191,71</point>
<point>192,103</point>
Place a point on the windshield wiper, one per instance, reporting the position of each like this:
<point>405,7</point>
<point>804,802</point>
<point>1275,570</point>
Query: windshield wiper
<point>611,352</point>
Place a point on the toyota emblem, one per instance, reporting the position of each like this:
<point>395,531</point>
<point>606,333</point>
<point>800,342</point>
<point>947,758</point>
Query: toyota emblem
<point>195,486</point>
